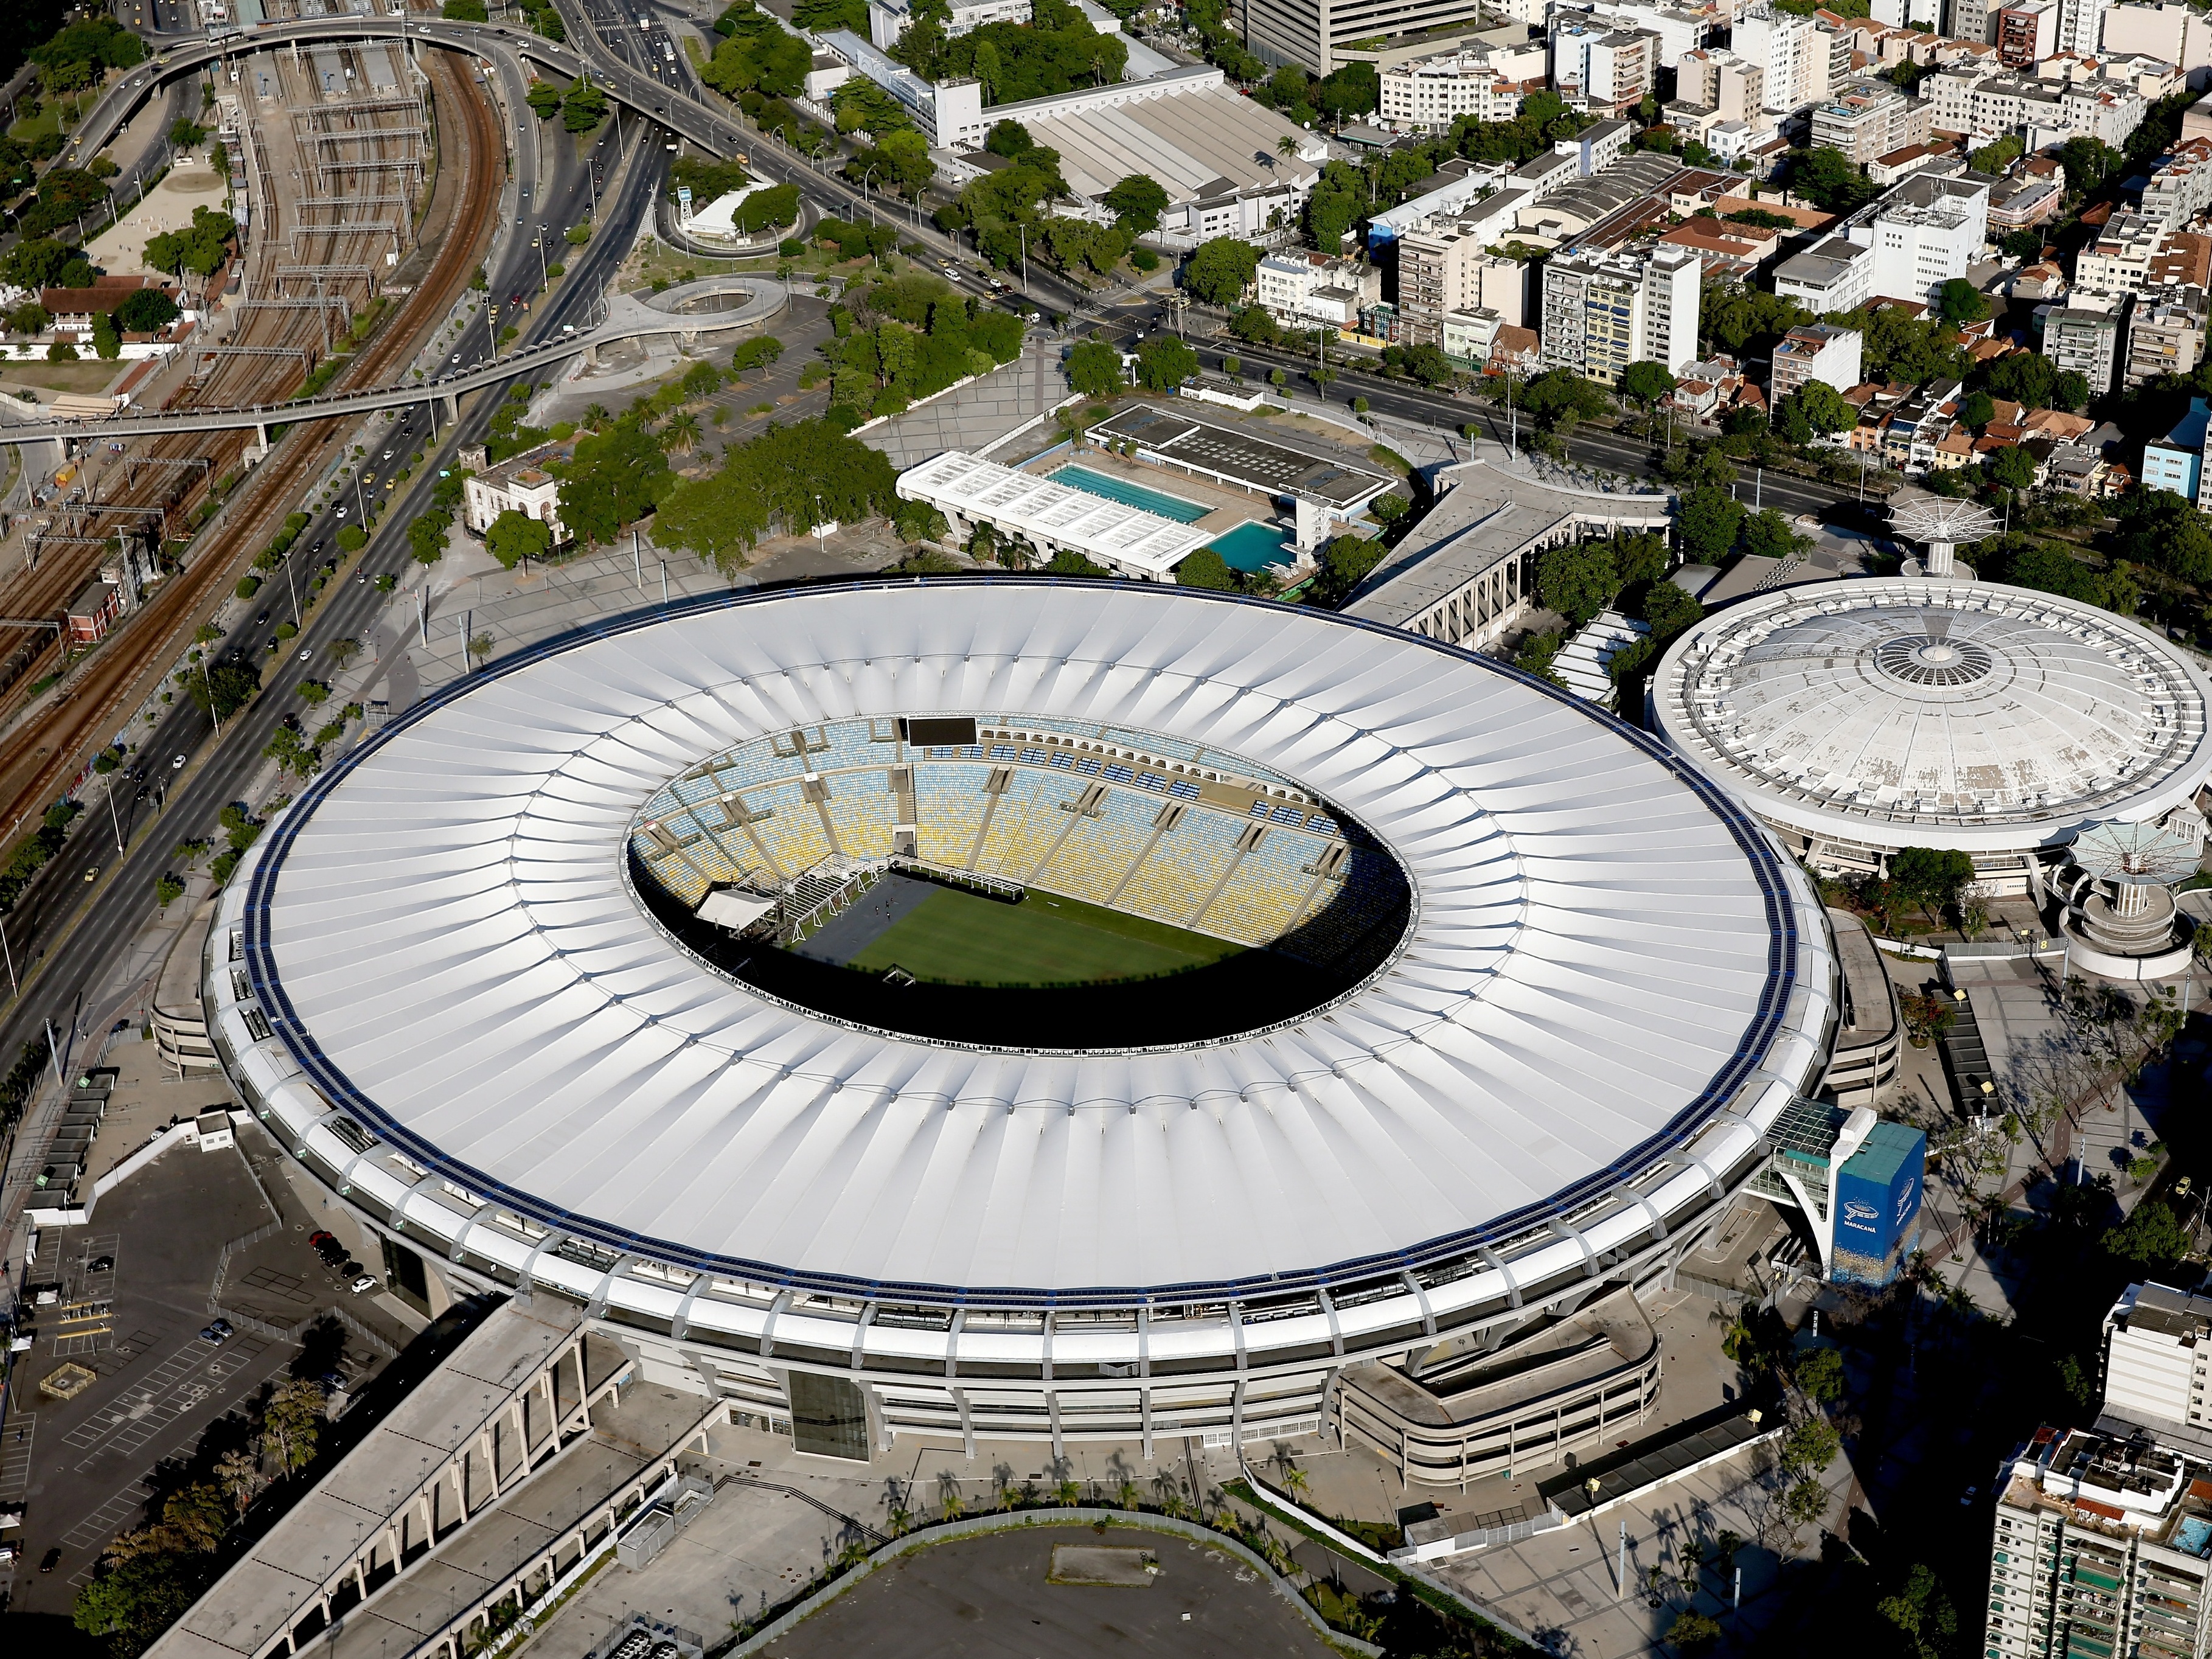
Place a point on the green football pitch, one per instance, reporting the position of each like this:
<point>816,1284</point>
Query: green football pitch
<point>959,938</point>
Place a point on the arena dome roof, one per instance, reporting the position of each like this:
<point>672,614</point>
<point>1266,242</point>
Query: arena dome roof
<point>1958,716</point>
<point>1609,970</point>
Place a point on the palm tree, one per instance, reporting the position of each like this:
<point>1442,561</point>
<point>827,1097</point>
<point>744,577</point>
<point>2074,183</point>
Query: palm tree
<point>952,1505</point>
<point>595,415</point>
<point>1126,1494</point>
<point>1068,1493</point>
<point>682,433</point>
<point>1294,1478</point>
<point>1286,145</point>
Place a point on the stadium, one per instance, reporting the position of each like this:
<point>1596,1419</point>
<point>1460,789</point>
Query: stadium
<point>1026,1009</point>
<point>1860,718</point>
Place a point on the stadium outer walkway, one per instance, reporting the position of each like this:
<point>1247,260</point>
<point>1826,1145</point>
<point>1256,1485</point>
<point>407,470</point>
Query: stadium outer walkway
<point>525,1451</point>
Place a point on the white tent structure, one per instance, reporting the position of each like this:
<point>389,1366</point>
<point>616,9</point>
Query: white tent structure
<point>432,979</point>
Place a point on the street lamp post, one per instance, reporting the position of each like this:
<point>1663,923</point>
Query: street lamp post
<point>113,821</point>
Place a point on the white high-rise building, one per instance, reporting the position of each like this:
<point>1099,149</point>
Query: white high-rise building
<point>2081,27</point>
<point>1602,312</point>
<point>2158,1357</point>
<point>1798,58</point>
<point>2099,1546</point>
<point>1924,235</point>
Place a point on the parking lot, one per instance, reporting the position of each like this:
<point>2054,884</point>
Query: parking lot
<point>131,1301</point>
<point>991,1595</point>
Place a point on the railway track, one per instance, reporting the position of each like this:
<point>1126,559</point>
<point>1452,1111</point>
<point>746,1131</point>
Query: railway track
<point>41,759</point>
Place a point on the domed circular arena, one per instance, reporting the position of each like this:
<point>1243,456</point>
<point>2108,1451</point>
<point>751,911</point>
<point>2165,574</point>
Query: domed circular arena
<point>1863,717</point>
<point>1024,1009</point>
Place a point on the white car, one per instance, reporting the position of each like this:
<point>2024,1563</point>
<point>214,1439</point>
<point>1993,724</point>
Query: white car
<point>366,1282</point>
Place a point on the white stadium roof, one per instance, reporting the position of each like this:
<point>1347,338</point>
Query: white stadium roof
<point>1610,974</point>
<point>1918,712</point>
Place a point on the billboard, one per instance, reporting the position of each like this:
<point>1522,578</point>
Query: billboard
<point>1876,1199</point>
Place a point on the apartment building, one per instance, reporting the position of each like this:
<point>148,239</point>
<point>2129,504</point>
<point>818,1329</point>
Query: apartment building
<point>1904,247</point>
<point>2081,27</point>
<point>2119,261</point>
<point>2177,34</point>
<point>2175,463</point>
<point>2084,335</point>
<point>1602,312</point>
<point>1724,81</point>
<point>1820,351</point>
<point>1603,69</point>
<point>1679,29</point>
<point>1444,268</point>
<point>2166,332</point>
<point>1799,58</point>
<point>2099,1546</point>
<point>1869,119</point>
<point>1429,94</point>
<point>2027,32</point>
<point>2182,187</point>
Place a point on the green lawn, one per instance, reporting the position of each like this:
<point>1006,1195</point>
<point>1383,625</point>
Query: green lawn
<point>959,938</point>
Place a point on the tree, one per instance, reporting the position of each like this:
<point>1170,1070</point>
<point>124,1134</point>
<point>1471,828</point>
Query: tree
<point>1922,1614</point>
<point>464,11</point>
<point>149,311</point>
<point>1578,581</point>
<point>514,536</point>
<point>1930,878</point>
<point>184,132</point>
<point>226,687</point>
<point>1823,408</point>
<point>1221,269</point>
<point>104,339</point>
<point>614,479</point>
<point>1206,568</point>
<point>2089,162</point>
<point>1959,302</point>
<point>1647,383</point>
<point>1828,178</point>
<point>1094,368</point>
<point>2012,467</point>
<point>2153,1237</point>
<point>1708,525</point>
<point>544,98</point>
<point>132,1601</point>
<point>1820,1376</point>
<point>1692,1633</point>
<point>1137,204</point>
<point>1767,535</point>
<point>291,1426</point>
<point>583,108</point>
<point>1165,362</point>
<point>756,353</point>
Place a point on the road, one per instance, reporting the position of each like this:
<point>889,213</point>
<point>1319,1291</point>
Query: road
<point>171,805</point>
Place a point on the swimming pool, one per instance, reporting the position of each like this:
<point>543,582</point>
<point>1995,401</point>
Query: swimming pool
<point>1254,546</point>
<point>1130,495</point>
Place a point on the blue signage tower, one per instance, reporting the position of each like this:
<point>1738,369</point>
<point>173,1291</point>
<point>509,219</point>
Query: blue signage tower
<point>1877,1199</point>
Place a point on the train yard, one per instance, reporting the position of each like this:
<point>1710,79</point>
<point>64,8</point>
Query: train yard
<point>353,154</point>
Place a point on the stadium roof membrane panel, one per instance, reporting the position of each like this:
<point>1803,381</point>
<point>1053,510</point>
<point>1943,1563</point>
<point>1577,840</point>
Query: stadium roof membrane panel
<point>1604,953</point>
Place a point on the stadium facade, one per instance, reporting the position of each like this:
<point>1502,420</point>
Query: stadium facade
<point>1860,718</point>
<point>437,981</point>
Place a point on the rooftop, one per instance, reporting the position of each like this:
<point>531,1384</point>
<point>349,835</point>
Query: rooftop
<point>1263,464</point>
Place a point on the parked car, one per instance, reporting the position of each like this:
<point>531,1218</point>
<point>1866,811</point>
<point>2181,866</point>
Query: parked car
<point>211,1336</point>
<point>366,1282</point>
<point>320,1237</point>
<point>100,1264</point>
<point>50,1559</point>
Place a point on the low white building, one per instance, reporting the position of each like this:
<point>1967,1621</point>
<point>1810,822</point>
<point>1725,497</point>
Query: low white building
<point>518,484</point>
<point>949,113</point>
<point>2158,1355</point>
<point>887,19</point>
<point>1302,290</point>
<point>1820,351</point>
<point>2084,336</point>
<point>1429,94</point>
<point>1129,541</point>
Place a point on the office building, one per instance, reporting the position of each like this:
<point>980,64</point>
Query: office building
<point>1317,34</point>
<point>1604,311</point>
<point>1820,351</point>
<point>2081,27</point>
<point>1924,235</point>
<point>2098,1548</point>
<point>2084,336</point>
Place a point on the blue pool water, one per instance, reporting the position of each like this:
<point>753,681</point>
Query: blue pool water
<point>1130,495</point>
<point>1254,546</point>
<point>2195,1536</point>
